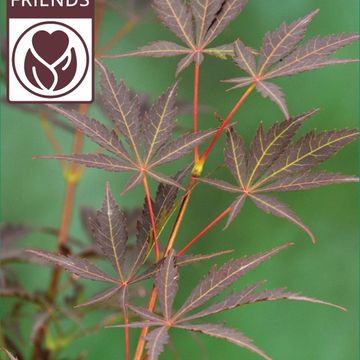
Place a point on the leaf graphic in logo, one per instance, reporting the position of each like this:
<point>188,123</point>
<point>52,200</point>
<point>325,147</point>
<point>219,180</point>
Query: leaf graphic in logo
<point>47,66</point>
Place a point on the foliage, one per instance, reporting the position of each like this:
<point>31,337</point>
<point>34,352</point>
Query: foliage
<point>140,138</point>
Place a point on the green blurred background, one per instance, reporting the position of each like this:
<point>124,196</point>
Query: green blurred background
<point>32,192</point>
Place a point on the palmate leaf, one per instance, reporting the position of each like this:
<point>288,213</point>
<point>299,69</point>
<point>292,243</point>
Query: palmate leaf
<point>280,55</point>
<point>108,228</point>
<point>148,136</point>
<point>275,164</point>
<point>212,285</point>
<point>208,17</point>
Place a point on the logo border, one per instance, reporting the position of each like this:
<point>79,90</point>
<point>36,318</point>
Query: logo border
<point>18,77</point>
<point>52,101</point>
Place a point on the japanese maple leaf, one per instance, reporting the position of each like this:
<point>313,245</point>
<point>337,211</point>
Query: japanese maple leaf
<point>215,283</point>
<point>275,164</point>
<point>208,17</point>
<point>109,228</point>
<point>148,137</point>
<point>281,55</point>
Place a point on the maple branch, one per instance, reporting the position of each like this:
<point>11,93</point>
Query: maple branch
<point>144,331</point>
<point>152,218</point>
<point>118,36</point>
<point>127,342</point>
<point>203,231</point>
<point>223,126</point>
<point>196,105</point>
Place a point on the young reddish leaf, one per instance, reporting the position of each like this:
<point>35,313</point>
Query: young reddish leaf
<point>229,10</point>
<point>309,151</point>
<point>77,266</point>
<point>307,180</point>
<point>273,206</point>
<point>166,282</point>
<point>231,335</point>
<point>159,122</point>
<point>235,157</point>
<point>220,279</point>
<point>155,342</point>
<point>313,55</point>
<point>176,16</point>
<point>87,217</point>
<point>97,161</point>
<point>110,232</point>
<point>134,181</point>
<point>281,42</point>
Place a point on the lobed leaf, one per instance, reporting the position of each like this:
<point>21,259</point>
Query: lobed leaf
<point>75,265</point>
<point>176,16</point>
<point>122,107</point>
<point>229,10</point>
<point>309,151</point>
<point>204,12</point>
<point>235,156</point>
<point>282,41</point>
<point>273,206</point>
<point>98,161</point>
<point>307,180</point>
<point>219,279</point>
<point>159,122</point>
<point>156,49</point>
<point>266,148</point>
<point>166,283</point>
<point>313,55</point>
<point>100,297</point>
<point>274,93</point>
<point>110,232</point>
<point>179,147</point>
<point>96,131</point>
<point>231,335</point>
<point>155,342</point>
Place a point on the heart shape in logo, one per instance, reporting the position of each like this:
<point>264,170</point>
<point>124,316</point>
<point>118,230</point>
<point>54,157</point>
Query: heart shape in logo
<point>50,47</point>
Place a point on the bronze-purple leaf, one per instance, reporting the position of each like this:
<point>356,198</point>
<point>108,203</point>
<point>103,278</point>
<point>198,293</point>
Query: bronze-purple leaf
<point>220,279</point>
<point>281,55</point>
<point>210,17</point>
<point>273,206</point>
<point>166,282</point>
<point>281,42</point>
<point>75,265</point>
<point>222,332</point>
<point>110,232</point>
<point>273,92</point>
<point>307,180</point>
<point>155,342</point>
<point>309,151</point>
